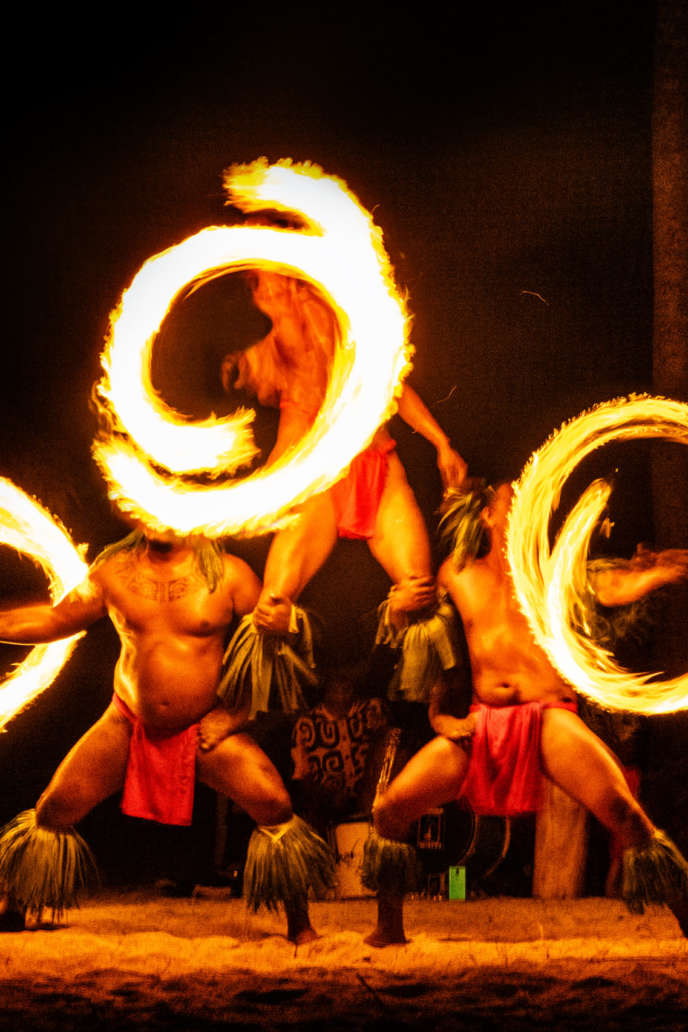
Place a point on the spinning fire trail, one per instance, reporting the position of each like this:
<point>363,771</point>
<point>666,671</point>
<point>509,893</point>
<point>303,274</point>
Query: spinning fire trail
<point>148,453</point>
<point>26,527</point>
<point>340,253</point>
<point>550,582</point>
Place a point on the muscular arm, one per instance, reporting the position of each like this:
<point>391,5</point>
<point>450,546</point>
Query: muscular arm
<point>645,572</point>
<point>220,722</point>
<point>413,411</point>
<point>36,625</point>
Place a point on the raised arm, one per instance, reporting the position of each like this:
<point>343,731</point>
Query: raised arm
<point>36,625</point>
<point>626,582</point>
<point>414,412</point>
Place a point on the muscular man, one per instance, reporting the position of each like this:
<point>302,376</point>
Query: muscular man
<point>522,722</point>
<point>373,502</point>
<point>171,601</point>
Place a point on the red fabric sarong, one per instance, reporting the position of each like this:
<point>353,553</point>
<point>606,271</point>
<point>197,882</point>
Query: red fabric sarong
<point>161,772</point>
<point>504,773</point>
<point>356,497</point>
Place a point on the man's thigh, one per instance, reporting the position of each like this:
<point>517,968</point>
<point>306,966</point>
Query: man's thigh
<point>432,777</point>
<point>238,768</point>
<point>92,770</point>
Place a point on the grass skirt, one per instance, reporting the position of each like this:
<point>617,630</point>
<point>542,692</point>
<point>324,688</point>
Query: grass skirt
<point>657,873</point>
<point>254,662</point>
<point>283,863</point>
<point>427,646</point>
<point>389,865</point>
<point>42,868</point>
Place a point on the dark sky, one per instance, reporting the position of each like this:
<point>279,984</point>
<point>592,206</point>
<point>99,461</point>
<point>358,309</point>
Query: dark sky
<point>505,151</point>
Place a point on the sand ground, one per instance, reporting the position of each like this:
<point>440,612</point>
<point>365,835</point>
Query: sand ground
<point>133,959</point>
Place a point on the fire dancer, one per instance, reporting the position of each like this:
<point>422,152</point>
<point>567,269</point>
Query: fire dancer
<point>522,722</point>
<point>171,601</point>
<point>373,502</point>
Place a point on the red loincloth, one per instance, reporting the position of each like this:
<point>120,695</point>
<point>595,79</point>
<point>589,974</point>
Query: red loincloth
<point>161,772</point>
<point>504,772</point>
<point>356,497</point>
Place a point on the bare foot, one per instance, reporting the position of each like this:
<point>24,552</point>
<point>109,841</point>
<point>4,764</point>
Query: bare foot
<point>214,728</point>
<point>299,927</point>
<point>34,920</point>
<point>379,937</point>
<point>305,935</point>
<point>389,930</point>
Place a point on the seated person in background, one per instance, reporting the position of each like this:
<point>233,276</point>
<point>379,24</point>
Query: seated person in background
<point>331,744</point>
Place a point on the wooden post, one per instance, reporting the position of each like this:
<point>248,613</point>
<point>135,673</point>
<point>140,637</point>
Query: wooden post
<point>561,845</point>
<point>669,777</point>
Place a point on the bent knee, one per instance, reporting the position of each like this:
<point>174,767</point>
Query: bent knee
<point>274,809</point>
<point>272,803</point>
<point>388,817</point>
<point>626,814</point>
<point>59,810</point>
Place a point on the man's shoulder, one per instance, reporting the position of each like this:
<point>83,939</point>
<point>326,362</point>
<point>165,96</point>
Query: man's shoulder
<point>465,582</point>
<point>447,572</point>
<point>102,578</point>
<point>236,570</point>
<point>107,566</point>
<point>450,574</point>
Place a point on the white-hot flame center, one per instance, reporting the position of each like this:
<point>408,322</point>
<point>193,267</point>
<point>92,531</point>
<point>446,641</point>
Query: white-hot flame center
<point>148,449</point>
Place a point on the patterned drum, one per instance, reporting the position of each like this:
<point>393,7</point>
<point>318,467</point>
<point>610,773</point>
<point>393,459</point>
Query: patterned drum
<point>349,839</point>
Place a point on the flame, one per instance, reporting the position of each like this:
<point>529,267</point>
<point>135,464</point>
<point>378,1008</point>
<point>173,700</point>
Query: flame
<point>148,449</point>
<point>30,530</point>
<point>550,584</point>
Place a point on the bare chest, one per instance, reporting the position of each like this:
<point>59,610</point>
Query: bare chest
<point>178,603</point>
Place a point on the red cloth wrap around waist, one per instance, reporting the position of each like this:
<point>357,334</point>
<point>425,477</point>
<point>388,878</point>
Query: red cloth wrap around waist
<point>161,771</point>
<point>504,773</point>
<point>356,498</point>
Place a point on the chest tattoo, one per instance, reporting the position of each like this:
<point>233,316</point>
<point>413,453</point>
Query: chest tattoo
<point>159,591</point>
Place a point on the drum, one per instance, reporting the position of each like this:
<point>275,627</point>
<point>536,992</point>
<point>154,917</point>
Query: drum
<point>349,839</point>
<point>488,848</point>
<point>453,835</point>
<point>446,836</point>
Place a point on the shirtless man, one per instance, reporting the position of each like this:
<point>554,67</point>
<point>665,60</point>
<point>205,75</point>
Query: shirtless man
<point>522,722</point>
<point>171,601</point>
<point>373,502</point>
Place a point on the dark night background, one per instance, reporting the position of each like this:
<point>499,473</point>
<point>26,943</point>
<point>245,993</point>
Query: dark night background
<point>506,152</point>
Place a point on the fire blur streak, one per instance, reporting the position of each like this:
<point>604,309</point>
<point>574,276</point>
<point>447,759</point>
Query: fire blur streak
<point>26,527</point>
<point>148,449</point>
<point>550,584</point>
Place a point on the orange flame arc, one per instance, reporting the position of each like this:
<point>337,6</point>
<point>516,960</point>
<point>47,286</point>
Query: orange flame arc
<point>148,449</point>
<point>29,529</point>
<point>550,582</point>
